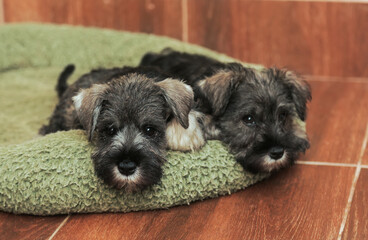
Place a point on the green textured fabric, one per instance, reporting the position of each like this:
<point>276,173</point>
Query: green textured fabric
<point>54,174</point>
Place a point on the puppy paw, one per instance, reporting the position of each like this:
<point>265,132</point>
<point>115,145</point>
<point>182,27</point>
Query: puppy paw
<point>181,139</point>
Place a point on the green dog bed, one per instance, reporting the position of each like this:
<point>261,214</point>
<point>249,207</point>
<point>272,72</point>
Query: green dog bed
<point>54,174</point>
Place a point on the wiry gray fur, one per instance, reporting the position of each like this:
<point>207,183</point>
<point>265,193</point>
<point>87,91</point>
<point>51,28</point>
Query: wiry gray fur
<point>125,113</point>
<point>258,114</point>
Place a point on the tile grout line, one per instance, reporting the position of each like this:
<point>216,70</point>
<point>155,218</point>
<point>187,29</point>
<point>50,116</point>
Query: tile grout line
<point>326,164</point>
<point>184,19</point>
<point>316,78</point>
<point>348,205</point>
<point>59,227</point>
<point>2,12</point>
<point>353,186</point>
<point>331,1</point>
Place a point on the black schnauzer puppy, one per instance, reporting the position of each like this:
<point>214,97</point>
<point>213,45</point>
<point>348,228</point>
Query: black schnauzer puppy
<point>259,114</point>
<point>126,110</point>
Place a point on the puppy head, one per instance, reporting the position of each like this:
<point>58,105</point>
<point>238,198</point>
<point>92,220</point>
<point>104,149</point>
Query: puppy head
<point>262,117</point>
<point>128,116</point>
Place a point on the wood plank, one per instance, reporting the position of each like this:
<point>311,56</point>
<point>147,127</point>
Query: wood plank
<point>337,121</point>
<point>296,203</point>
<point>139,225</point>
<point>317,38</point>
<point>162,17</point>
<point>357,225</point>
<point>28,227</point>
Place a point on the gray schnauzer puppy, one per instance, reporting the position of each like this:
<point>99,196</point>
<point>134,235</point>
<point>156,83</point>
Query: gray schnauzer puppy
<point>126,111</point>
<point>259,114</point>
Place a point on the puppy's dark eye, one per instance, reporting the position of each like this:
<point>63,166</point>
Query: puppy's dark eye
<point>249,120</point>
<point>282,116</point>
<point>110,131</point>
<point>149,131</point>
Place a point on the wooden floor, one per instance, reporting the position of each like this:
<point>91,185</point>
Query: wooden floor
<point>323,196</point>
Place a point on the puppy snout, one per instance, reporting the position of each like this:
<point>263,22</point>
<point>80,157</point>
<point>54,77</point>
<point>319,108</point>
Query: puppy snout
<point>127,167</point>
<point>276,152</point>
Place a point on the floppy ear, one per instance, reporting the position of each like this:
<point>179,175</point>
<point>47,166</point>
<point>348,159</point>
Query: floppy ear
<point>180,98</point>
<point>88,104</point>
<point>218,89</point>
<point>300,92</point>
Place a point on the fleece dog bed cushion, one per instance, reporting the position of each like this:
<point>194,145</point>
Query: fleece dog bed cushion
<point>54,174</point>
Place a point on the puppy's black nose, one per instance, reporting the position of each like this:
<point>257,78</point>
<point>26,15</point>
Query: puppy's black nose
<point>127,167</point>
<point>276,152</point>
